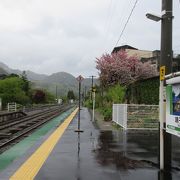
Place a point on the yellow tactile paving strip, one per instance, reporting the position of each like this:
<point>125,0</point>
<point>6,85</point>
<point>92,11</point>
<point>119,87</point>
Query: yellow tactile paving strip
<point>30,168</point>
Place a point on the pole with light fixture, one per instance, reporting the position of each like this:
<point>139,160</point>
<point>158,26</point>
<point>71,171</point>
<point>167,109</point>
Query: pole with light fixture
<point>94,98</point>
<point>153,17</point>
<point>166,68</point>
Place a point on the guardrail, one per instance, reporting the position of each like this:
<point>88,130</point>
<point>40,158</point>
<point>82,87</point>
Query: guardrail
<point>135,116</point>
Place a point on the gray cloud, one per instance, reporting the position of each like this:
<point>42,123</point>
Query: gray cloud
<point>48,36</point>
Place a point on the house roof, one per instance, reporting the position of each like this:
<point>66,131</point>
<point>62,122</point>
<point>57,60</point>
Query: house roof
<point>116,49</point>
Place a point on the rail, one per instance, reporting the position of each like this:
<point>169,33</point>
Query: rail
<point>12,131</point>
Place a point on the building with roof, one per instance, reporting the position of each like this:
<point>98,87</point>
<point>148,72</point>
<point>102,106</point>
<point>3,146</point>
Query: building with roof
<point>148,56</point>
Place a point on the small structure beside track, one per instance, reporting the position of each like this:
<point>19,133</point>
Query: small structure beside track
<point>11,115</point>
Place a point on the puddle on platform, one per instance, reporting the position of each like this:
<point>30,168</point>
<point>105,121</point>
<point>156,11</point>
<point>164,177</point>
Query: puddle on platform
<point>135,151</point>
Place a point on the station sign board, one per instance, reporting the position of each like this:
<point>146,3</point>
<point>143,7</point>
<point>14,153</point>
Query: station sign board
<point>173,106</point>
<point>162,73</point>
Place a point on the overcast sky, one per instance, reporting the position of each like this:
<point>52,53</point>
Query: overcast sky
<point>48,36</point>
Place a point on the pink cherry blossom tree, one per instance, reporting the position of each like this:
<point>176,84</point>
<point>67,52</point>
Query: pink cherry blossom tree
<point>119,68</point>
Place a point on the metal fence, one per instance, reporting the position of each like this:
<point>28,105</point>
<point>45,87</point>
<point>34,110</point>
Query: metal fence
<point>120,114</point>
<point>12,107</point>
<point>135,116</point>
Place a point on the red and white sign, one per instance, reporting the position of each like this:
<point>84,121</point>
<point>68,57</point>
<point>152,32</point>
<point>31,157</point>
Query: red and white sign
<point>80,78</point>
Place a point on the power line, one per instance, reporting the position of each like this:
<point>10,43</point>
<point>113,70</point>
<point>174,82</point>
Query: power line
<point>122,15</point>
<point>108,18</point>
<point>111,11</point>
<point>126,22</point>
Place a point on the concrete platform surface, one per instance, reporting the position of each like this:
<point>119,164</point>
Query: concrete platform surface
<point>103,155</point>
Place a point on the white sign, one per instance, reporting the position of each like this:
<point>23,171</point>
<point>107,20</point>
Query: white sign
<point>173,109</point>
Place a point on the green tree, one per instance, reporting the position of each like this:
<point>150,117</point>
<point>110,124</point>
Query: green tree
<point>11,90</point>
<point>49,98</point>
<point>116,94</point>
<point>26,84</point>
<point>70,95</point>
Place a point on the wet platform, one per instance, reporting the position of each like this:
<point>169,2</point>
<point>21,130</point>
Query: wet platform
<point>96,154</point>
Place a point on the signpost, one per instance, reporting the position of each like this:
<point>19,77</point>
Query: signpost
<point>79,79</point>
<point>94,97</point>
<point>162,115</point>
<point>173,107</point>
<point>169,114</point>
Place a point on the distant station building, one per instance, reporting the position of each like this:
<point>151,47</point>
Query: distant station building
<point>148,56</point>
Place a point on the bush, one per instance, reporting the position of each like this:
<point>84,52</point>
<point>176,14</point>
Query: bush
<point>88,104</point>
<point>144,91</point>
<point>114,94</point>
<point>11,90</point>
<point>107,113</point>
<point>105,100</point>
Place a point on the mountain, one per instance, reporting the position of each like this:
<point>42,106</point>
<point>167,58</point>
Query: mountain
<point>35,76</point>
<point>61,77</point>
<point>4,66</point>
<point>62,82</point>
<point>2,71</point>
<point>9,70</point>
<point>30,75</point>
<point>57,83</point>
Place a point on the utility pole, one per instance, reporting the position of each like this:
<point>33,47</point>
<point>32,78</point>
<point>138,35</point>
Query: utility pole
<point>56,92</point>
<point>85,93</point>
<point>92,84</point>
<point>166,60</point>
<point>166,36</point>
<point>93,96</point>
<point>166,57</point>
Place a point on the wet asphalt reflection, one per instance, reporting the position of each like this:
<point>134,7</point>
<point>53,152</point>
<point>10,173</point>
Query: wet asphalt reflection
<point>135,153</point>
<point>107,155</point>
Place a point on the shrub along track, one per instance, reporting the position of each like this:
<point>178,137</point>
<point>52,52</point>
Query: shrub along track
<point>11,131</point>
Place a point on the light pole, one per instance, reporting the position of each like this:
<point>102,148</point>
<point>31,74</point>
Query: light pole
<point>166,68</point>
<point>93,96</point>
<point>56,94</point>
<point>85,93</point>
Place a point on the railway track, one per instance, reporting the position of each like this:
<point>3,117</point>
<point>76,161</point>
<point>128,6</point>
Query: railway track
<point>12,131</point>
